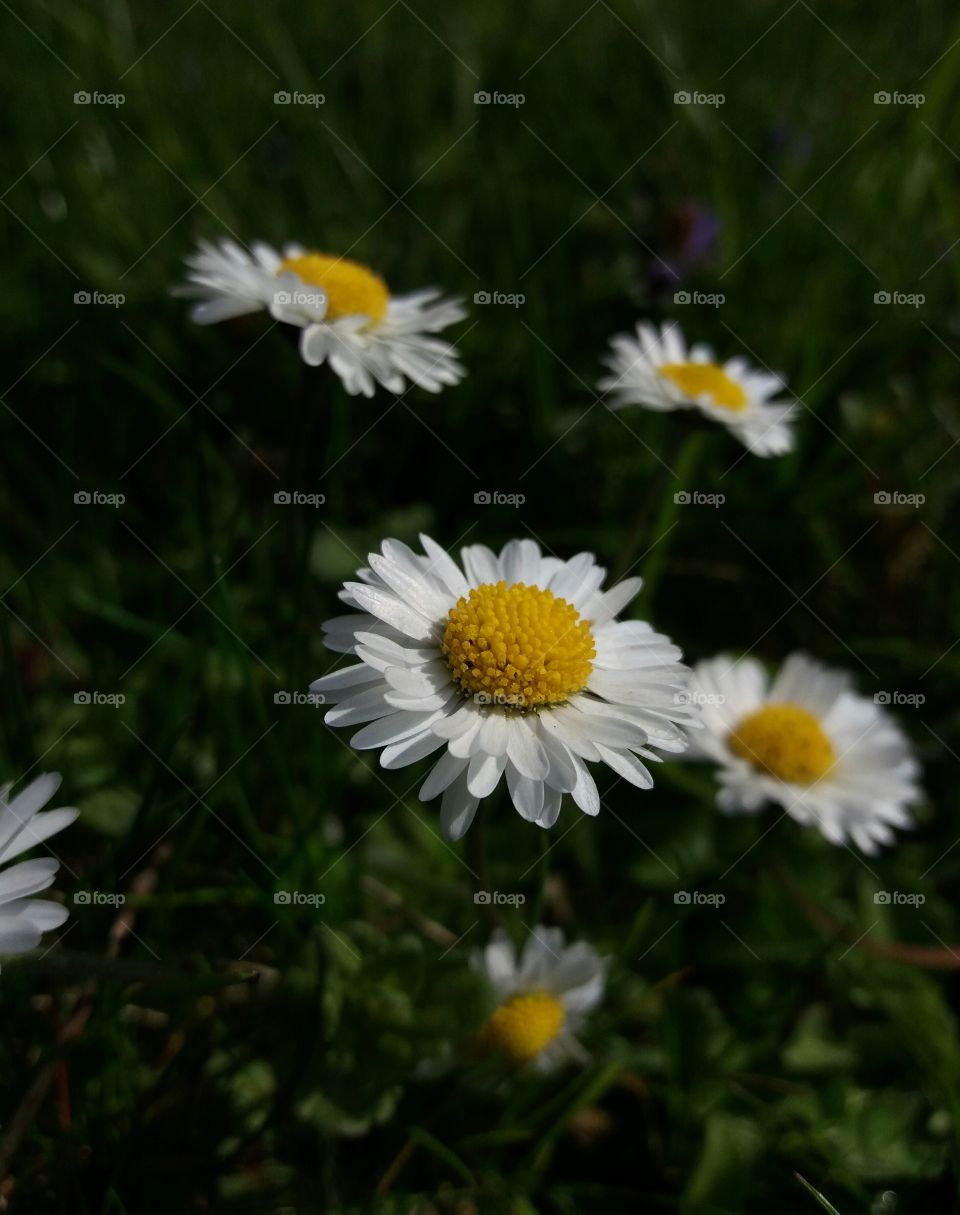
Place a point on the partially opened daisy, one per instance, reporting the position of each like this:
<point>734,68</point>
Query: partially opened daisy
<point>345,311</point>
<point>514,666</point>
<point>658,371</point>
<point>24,825</point>
<point>807,742</point>
<point>543,997</point>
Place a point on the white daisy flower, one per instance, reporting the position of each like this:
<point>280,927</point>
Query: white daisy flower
<point>345,311</point>
<point>515,666</point>
<point>657,370</point>
<point>543,997</point>
<point>24,919</point>
<point>807,742</point>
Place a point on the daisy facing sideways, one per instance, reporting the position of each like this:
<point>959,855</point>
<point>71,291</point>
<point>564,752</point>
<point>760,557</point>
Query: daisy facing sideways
<point>808,742</point>
<point>512,666</point>
<point>344,310</point>
<point>23,825</point>
<point>543,993</point>
<point>658,371</point>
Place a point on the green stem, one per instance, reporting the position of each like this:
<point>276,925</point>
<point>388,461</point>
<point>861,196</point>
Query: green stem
<point>678,482</point>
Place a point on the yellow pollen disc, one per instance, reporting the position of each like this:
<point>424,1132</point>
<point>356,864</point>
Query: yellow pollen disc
<point>706,379</point>
<point>351,289</point>
<point>523,1026</point>
<point>786,741</point>
<point>518,646</point>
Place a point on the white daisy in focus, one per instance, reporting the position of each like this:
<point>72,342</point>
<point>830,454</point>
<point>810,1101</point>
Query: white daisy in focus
<point>656,370</point>
<point>345,311</point>
<point>23,825</point>
<point>513,666</point>
<point>809,743</point>
<point>543,997</point>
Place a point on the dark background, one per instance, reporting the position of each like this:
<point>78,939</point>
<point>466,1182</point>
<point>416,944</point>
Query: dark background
<point>235,1054</point>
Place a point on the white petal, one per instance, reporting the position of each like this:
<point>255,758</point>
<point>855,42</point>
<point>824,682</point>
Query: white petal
<point>457,809</point>
<point>484,772</point>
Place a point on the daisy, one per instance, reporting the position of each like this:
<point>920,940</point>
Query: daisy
<point>807,742</point>
<point>344,310</point>
<point>657,370</point>
<point>24,919</point>
<point>543,996</point>
<point>513,666</point>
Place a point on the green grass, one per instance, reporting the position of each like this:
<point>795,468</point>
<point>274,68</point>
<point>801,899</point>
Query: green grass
<point>244,1056</point>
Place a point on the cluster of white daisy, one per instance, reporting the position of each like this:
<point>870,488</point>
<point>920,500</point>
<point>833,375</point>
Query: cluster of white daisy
<point>515,666</point>
<point>349,319</point>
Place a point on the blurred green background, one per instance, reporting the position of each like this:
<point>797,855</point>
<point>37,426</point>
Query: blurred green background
<point>238,1055</point>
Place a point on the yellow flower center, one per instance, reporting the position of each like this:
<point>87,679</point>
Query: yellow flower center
<point>786,741</point>
<point>351,289</point>
<point>706,379</point>
<point>523,1026</point>
<point>518,646</point>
